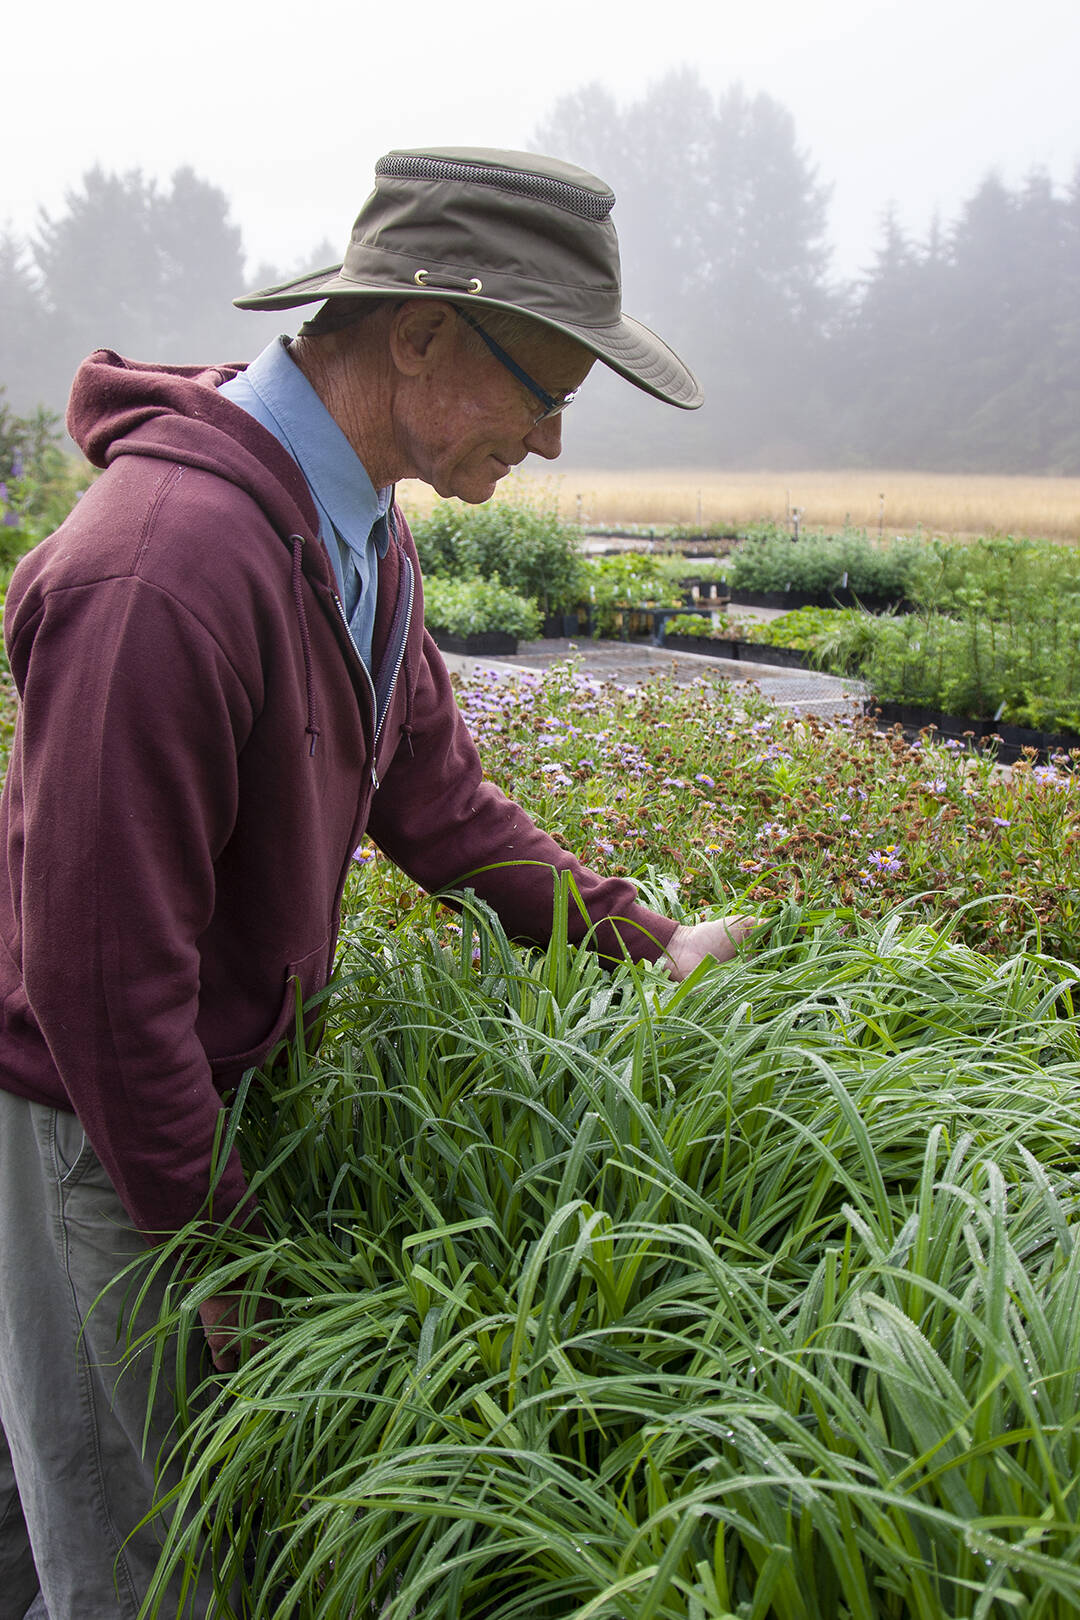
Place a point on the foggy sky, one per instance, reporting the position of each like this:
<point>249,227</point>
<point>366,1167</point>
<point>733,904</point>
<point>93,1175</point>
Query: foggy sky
<point>905,103</point>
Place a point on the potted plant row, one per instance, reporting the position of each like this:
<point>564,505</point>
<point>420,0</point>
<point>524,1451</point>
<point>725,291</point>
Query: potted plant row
<point>1010,742</point>
<point>975,676</point>
<point>787,642</point>
<point>774,569</point>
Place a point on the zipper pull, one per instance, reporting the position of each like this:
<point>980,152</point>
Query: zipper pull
<point>374,778</point>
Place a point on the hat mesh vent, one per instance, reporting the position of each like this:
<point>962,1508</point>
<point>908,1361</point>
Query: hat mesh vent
<point>560,193</point>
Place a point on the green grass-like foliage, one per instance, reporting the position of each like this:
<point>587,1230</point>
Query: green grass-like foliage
<point>597,1296</point>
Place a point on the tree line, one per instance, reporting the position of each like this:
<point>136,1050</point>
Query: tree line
<point>957,352</point>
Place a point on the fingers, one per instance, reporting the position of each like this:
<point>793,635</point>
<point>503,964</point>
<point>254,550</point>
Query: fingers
<point>221,1316</point>
<point>720,938</point>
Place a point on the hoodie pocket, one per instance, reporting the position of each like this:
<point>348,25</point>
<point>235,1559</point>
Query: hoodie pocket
<point>309,972</point>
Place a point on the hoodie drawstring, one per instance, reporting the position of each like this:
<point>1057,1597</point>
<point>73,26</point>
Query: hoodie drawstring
<point>311,729</point>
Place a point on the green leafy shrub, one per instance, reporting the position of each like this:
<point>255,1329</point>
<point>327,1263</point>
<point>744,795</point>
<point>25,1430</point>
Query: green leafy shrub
<point>468,607</point>
<point>802,627</point>
<point>522,544</point>
<point>707,570</point>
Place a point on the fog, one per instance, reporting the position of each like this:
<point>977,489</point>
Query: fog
<point>913,140</point>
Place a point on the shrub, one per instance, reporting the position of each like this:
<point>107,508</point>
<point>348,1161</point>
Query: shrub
<point>468,607</point>
<point>524,545</point>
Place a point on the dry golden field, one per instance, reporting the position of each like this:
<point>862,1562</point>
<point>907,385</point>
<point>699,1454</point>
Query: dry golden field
<point>897,502</point>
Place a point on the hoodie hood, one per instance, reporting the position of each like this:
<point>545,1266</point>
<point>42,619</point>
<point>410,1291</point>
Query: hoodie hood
<point>125,407</point>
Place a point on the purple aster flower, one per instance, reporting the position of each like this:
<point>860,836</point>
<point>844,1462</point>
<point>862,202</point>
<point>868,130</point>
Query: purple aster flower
<point>885,860</point>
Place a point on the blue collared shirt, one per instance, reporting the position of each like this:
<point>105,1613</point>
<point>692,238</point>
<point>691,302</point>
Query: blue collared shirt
<point>352,512</point>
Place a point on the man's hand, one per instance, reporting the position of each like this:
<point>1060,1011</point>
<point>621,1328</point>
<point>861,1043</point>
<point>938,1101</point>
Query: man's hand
<point>720,939</point>
<point>220,1319</point>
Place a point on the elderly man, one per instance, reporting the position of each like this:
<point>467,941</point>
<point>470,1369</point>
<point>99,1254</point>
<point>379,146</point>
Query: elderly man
<point>225,681</point>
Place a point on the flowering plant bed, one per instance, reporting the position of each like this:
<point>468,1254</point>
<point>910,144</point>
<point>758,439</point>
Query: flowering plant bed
<point>708,795</point>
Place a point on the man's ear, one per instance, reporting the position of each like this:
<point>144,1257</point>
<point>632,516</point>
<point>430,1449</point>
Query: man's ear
<point>419,329</point>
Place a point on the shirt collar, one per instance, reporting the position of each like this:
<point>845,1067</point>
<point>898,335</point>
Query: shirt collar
<point>337,477</point>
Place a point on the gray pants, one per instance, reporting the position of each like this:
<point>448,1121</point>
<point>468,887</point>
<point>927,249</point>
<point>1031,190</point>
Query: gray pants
<point>75,1479</point>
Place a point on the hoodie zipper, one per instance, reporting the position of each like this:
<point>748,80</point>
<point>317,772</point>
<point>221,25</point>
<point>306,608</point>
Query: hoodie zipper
<point>399,628</point>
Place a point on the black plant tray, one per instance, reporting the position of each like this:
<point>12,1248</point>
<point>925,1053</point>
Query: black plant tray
<point>711,593</point>
<point>558,625</point>
<point>915,717</point>
<point>749,652</point>
<point>705,646</point>
<point>760,652</point>
<point>490,643</point>
<point>1015,741</point>
<point>1010,743</point>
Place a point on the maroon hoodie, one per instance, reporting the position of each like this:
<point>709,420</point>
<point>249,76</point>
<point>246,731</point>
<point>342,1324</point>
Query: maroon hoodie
<point>196,757</point>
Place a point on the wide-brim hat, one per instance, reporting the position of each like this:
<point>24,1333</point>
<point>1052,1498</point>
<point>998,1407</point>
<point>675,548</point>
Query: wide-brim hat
<point>505,230</point>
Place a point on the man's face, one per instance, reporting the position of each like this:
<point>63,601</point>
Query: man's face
<point>471,419</point>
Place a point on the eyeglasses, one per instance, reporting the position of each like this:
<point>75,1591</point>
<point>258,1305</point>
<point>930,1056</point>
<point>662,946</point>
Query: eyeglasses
<point>553,403</point>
